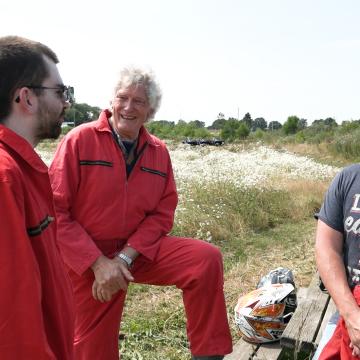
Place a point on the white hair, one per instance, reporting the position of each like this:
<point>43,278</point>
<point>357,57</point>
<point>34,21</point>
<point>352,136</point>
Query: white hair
<point>131,75</point>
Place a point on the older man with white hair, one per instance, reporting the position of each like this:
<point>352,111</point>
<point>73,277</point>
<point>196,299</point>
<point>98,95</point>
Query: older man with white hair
<point>115,197</point>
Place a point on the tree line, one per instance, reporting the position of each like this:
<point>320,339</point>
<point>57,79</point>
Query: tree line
<point>81,113</point>
<point>230,129</point>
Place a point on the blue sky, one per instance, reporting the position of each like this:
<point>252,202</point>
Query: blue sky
<point>270,58</point>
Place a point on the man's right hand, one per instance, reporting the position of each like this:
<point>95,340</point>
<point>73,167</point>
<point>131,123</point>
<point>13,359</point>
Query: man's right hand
<point>353,327</point>
<point>111,275</point>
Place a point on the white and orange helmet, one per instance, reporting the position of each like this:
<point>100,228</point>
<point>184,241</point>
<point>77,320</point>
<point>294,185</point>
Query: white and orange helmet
<point>262,315</point>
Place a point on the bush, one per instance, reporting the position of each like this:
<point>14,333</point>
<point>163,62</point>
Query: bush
<point>242,131</point>
<point>291,125</point>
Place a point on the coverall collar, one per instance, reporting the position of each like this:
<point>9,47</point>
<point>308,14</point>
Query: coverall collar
<point>22,147</point>
<point>103,125</point>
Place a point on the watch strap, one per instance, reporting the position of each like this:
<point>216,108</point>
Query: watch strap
<point>126,258</point>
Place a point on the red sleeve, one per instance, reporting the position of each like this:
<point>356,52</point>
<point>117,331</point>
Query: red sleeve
<point>22,329</point>
<point>76,246</point>
<point>157,223</point>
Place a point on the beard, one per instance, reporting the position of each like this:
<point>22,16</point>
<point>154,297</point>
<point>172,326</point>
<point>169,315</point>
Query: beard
<point>49,122</point>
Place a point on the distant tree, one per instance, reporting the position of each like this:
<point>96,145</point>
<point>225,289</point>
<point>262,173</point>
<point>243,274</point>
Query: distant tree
<point>330,122</point>
<point>247,120</point>
<point>217,124</point>
<point>202,133</point>
<point>228,132</point>
<point>220,116</point>
<point>291,125</point>
<point>274,125</point>
<point>348,126</point>
<point>259,123</point>
<point>317,122</point>
<point>81,113</point>
<point>302,124</point>
<point>162,128</point>
<point>164,122</point>
<point>197,123</point>
<point>242,131</point>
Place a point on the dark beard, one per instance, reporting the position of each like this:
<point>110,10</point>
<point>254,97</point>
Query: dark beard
<point>49,123</point>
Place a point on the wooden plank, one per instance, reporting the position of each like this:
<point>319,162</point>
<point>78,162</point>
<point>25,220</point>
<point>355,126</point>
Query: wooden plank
<point>301,294</point>
<point>329,312</point>
<point>242,351</point>
<point>303,327</point>
<point>268,351</point>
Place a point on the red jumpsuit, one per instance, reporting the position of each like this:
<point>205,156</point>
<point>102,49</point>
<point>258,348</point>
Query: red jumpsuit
<point>100,210</point>
<point>36,300</point>
<point>338,345</point>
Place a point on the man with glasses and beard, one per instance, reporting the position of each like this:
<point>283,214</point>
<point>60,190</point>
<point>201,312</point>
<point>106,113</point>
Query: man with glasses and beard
<point>36,301</point>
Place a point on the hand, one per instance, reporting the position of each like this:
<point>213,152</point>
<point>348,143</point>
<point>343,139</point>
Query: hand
<point>353,328</point>
<point>111,275</point>
<point>355,350</point>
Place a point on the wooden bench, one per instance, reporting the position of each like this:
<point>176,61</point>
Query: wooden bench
<point>301,336</point>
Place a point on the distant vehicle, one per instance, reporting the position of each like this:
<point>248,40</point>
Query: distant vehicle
<point>68,123</point>
<point>213,141</point>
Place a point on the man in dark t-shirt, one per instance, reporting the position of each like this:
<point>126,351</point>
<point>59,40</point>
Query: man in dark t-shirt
<point>338,256</point>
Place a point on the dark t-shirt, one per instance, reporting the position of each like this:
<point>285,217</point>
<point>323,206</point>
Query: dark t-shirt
<point>341,211</point>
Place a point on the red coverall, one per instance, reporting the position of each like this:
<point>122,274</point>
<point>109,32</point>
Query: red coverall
<point>338,345</point>
<point>100,210</point>
<point>36,300</point>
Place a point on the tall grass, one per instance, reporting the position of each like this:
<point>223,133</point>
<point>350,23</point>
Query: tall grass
<point>221,211</point>
<point>339,144</point>
<point>348,145</point>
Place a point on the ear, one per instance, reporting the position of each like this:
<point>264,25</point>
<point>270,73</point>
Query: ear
<point>26,99</point>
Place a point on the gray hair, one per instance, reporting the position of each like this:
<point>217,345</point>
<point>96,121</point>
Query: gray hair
<point>131,75</point>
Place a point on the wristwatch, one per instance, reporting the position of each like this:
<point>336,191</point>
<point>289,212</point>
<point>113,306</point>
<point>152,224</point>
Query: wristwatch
<point>126,258</point>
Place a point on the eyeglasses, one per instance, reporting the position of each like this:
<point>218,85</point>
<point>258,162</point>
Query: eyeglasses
<point>65,92</point>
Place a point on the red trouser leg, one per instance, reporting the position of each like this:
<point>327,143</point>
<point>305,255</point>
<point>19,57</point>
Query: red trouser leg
<point>97,324</point>
<point>196,268</point>
<point>338,346</point>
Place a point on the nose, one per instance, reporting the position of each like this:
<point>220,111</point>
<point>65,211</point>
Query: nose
<point>67,105</point>
<point>129,104</point>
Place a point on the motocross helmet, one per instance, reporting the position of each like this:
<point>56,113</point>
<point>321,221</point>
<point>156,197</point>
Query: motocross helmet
<point>262,315</point>
<point>279,275</point>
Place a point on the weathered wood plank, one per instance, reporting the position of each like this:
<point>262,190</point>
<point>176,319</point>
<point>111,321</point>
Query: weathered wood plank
<point>242,351</point>
<point>303,328</point>
<point>268,351</point>
<point>301,294</point>
<point>331,308</point>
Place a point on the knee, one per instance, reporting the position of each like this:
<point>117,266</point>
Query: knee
<point>212,254</point>
<point>210,263</point>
